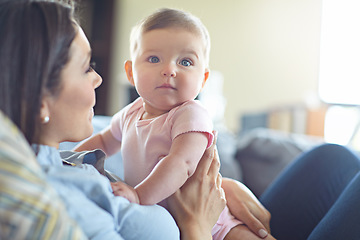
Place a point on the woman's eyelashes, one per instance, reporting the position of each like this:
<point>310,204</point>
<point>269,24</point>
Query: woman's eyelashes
<point>91,68</point>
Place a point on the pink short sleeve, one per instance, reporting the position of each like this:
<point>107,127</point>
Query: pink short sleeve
<point>192,117</point>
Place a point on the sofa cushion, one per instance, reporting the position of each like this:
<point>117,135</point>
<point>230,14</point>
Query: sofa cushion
<point>263,153</point>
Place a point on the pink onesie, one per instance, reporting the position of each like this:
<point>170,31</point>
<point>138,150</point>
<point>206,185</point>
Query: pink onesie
<point>145,142</point>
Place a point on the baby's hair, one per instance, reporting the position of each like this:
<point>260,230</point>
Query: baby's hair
<point>170,18</point>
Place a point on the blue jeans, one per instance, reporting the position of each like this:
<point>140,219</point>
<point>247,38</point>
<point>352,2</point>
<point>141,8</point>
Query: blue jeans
<point>317,196</point>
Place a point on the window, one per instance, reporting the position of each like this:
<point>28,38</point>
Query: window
<point>339,76</point>
<point>339,73</point>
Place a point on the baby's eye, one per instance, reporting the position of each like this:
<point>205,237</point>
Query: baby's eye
<point>91,67</point>
<point>186,62</point>
<point>154,59</point>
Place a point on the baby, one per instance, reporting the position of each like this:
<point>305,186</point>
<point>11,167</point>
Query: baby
<point>163,133</point>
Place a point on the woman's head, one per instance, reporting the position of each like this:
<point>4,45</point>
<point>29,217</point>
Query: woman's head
<point>36,45</point>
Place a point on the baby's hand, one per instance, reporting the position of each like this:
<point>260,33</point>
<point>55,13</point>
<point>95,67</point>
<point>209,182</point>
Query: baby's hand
<point>123,190</point>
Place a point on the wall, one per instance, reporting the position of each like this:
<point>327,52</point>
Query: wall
<point>267,50</point>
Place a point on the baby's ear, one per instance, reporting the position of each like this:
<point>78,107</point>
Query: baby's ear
<point>206,77</point>
<point>128,71</point>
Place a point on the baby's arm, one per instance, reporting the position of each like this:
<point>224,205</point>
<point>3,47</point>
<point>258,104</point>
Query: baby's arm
<point>174,169</point>
<point>103,140</point>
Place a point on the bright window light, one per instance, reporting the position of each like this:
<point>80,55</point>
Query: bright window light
<point>340,123</point>
<point>339,74</point>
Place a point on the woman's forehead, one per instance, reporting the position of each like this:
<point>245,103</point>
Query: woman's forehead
<point>80,47</point>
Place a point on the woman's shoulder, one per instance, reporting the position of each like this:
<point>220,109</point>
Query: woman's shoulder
<point>24,186</point>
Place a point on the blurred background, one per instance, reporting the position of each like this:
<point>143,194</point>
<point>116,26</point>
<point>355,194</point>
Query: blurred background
<point>284,75</point>
<point>265,61</point>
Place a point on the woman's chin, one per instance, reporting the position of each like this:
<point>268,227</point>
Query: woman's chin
<point>83,136</point>
<point>91,115</point>
<point>88,133</point>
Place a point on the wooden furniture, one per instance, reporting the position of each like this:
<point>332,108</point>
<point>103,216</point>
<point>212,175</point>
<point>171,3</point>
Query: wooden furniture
<point>97,19</point>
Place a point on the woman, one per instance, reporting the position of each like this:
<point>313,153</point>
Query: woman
<point>47,90</point>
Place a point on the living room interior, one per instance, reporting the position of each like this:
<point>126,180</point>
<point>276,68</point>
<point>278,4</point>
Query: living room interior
<point>263,90</point>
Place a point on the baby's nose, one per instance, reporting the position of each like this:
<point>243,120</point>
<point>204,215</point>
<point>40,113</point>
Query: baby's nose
<point>169,71</point>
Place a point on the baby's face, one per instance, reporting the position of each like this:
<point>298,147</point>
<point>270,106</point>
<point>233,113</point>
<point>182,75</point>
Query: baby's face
<point>169,68</point>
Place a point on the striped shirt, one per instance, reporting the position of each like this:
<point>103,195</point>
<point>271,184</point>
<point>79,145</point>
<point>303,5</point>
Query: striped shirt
<point>29,207</point>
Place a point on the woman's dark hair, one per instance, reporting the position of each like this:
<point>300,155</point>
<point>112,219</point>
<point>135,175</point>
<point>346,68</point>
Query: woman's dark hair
<point>34,47</point>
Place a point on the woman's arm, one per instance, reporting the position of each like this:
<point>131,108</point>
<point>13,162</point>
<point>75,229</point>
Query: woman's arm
<point>197,205</point>
<point>246,207</point>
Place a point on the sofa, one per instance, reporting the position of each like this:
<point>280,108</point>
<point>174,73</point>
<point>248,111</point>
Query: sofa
<point>30,207</point>
<point>255,158</point>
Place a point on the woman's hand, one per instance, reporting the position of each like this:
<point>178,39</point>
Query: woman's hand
<point>197,205</point>
<point>124,190</point>
<point>244,206</point>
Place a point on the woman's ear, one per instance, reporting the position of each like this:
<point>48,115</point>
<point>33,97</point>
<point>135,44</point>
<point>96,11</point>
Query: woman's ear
<point>44,111</point>
<point>128,71</point>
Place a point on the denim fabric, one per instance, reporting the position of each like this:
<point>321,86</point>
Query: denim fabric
<point>314,193</point>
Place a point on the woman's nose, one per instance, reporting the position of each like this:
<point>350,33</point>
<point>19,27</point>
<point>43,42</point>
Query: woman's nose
<point>97,81</point>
